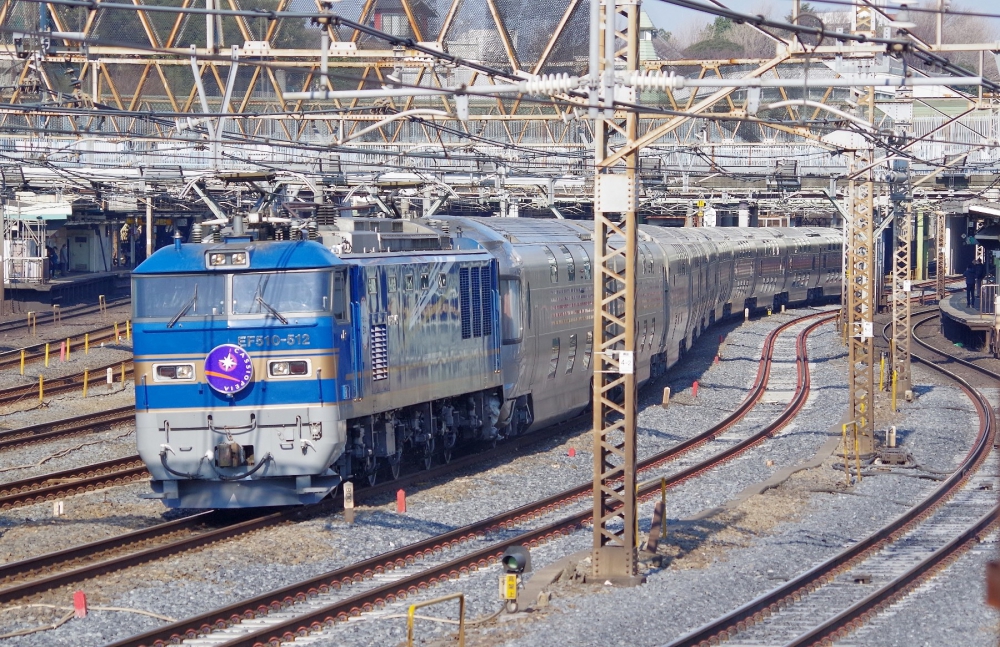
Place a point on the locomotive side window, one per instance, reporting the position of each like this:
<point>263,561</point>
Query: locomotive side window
<point>510,304</point>
<point>372,285</point>
<point>340,296</point>
<point>442,280</point>
<point>554,359</point>
<point>425,280</point>
<point>392,283</point>
<point>588,350</point>
<point>177,297</point>
<point>408,282</point>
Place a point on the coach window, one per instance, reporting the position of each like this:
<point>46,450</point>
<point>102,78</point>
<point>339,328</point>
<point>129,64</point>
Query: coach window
<point>176,297</point>
<point>554,359</point>
<point>570,263</point>
<point>510,304</point>
<point>553,265</point>
<point>586,263</point>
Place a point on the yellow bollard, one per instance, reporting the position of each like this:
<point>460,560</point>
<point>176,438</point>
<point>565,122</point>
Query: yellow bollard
<point>881,374</point>
<point>894,391</point>
<point>22,361</point>
<point>86,375</point>
<point>128,330</point>
<point>86,343</point>
<point>123,375</point>
<point>41,387</point>
<point>68,341</point>
<point>116,331</point>
<point>843,443</point>
<point>46,354</point>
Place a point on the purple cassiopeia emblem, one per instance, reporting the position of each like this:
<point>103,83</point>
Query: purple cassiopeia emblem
<point>228,368</point>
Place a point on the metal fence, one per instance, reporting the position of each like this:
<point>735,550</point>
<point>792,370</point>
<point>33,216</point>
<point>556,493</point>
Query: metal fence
<point>987,298</point>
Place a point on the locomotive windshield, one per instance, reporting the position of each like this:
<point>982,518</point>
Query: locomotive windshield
<point>281,293</point>
<point>179,297</point>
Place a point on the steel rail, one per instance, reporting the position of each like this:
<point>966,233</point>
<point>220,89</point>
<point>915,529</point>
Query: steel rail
<point>76,425</point>
<point>771,601</point>
<point>274,600</point>
<point>57,385</point>
<point>71,312</point>
<point>861,611</point>
<point>36,352</point>
<point>50,486</point>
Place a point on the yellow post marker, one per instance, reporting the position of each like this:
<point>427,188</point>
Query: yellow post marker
<point>843,443</point>
<point>46,354</point>
<point>881,374</point>
<point>116,331</point>
<point>123,375</point>
<point>41,387</point>
<point>894,376</point>
<point>128,330</point>
<point>86,343</point>
<point>22,361</point>
<point>68,341</point>
<point>86,375</point>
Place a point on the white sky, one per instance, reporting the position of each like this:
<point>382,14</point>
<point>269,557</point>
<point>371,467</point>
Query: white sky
<point>684,21</point>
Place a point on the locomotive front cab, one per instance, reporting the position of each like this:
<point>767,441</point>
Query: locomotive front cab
<point>242,352</point>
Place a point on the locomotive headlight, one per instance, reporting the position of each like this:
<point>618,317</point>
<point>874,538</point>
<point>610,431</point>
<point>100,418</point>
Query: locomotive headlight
<point>168,372</point>
<point>287,368</point>
<point>216,259</point>
<point>239,258</point>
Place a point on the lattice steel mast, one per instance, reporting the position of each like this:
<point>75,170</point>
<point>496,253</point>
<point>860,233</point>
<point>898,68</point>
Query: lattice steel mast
<point>615,529</point>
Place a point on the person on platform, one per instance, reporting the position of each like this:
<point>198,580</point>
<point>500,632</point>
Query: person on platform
<point>53,257</point>
<point>980,275</point>
<point>970,286</point>
<point>64,259</point>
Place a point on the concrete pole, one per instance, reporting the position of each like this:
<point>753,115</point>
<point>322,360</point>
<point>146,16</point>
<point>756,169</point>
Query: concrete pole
<point>149,225</point>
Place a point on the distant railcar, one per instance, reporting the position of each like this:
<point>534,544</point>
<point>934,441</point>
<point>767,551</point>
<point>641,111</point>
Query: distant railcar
<point>267,372</point>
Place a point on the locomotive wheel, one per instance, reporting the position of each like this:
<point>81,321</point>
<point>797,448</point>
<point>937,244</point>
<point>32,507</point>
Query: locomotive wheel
<point>395,465</point>
<point>371,470</point>
<point>447,456</point>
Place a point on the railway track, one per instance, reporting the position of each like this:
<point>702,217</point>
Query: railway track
<point>54,485</point>
<point>318,602</point>
<point>47,316</point>
<point>65,384</point>
<point>36,352</point>
<point>847,589</point>
<point>75,426</point>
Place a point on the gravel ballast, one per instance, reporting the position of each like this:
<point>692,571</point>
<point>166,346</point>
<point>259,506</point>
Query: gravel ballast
<point>715,558</point>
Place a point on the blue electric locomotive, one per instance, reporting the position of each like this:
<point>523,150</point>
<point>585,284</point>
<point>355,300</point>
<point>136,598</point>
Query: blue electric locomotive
<point>267,372</point>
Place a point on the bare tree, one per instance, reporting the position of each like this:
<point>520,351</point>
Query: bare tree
<point>955,28</point>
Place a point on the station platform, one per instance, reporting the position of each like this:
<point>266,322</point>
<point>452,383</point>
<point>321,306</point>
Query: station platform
<point>968,325</point>
<point>74,289</point>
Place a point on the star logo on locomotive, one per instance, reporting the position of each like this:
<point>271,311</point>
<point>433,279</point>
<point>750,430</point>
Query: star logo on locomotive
<point>228,369</point>
<point>228,363</point>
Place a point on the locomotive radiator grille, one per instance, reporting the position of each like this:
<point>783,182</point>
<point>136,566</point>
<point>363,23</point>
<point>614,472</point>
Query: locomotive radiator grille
<point>380,352</point>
